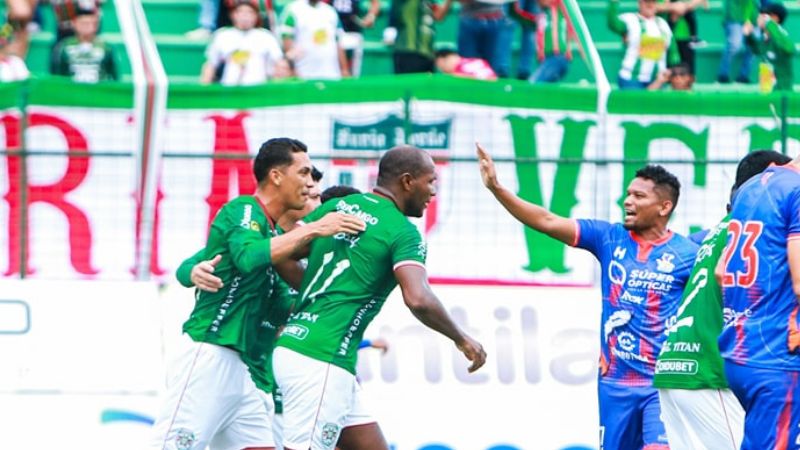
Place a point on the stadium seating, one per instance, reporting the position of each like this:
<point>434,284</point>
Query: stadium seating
<point>170,19</point>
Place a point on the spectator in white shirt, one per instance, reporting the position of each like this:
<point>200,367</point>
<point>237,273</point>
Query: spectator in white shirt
<point>244,54</point>
<point>311,30</point>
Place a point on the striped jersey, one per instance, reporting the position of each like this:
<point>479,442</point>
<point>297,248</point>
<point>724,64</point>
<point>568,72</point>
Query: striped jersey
<point>641,284</point>
<point>760,307</point>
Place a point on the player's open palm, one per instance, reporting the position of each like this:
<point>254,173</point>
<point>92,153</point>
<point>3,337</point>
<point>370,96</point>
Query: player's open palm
<point>336,222</point>
<point>474,352</point>
<point>486,165</point>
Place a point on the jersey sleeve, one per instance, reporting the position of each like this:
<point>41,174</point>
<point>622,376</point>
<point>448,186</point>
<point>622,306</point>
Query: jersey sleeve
<point>589,234</point>
<point>184,272</point>
<point>408,248</point>
<point>249,248</point>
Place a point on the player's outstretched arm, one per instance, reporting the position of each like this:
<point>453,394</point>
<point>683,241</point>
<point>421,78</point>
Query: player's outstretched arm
<point>427,308</point>
<point>534,216</point>
<point>285,246</point>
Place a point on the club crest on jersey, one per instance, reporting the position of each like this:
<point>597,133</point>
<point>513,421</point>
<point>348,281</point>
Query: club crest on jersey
<point>664,264</point>
<point>330,433</point>
<point>184,439</point>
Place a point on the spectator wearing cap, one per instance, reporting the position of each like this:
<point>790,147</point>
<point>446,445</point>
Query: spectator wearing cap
<point>243,54</point>
<point>12,67</point>
<point>774,46</point>
<point>311,30</point>
<point>84,57</point>
<point>450,62</point>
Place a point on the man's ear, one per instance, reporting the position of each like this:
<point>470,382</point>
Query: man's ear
<point>405,180</point>
<point>275,176</point>
<point>666,208</point>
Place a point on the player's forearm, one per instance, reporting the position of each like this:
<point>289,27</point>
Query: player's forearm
<point>184,272</point>
<point>793,256</point>
<point>535,216</point>
<point>290,245</point>
<point>433,315</point>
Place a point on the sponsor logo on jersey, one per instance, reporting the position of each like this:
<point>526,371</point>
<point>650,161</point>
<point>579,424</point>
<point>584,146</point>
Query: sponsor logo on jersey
<point>732,317</point>
<point>626,341</point>
<point>619,252</point>
<point>296,331</point>
<point>355,210</point>
<point>665,264</point>
<point>184,439</point>
<point>676,366</point>
<point>654,281</point>
<point>329,434</point>
<point>616,273</point>
<point>630,298</point>
<point>247,216</point>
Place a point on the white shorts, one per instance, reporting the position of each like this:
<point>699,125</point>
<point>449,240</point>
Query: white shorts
<point>698,419</point>
<point>211,400</point>
<point>319,400</point>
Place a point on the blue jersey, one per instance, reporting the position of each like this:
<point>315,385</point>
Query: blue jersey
<point>760,307</point>
<point>642,283</point>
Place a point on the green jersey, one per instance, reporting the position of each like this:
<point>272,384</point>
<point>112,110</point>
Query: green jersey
<point>279,305</point>
<point>85,62</point>
<point>777,50</point>
<point>414,22</point>
<point>690,356</point>
<point>240,233</point>
<point>349,277</point>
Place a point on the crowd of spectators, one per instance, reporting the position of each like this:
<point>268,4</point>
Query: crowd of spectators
<point>249,42</point>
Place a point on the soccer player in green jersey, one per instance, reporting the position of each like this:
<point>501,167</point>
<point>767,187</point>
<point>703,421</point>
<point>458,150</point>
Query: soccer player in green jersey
<point>345,285</point>
<point>698,409</point>
<point>210,397</point>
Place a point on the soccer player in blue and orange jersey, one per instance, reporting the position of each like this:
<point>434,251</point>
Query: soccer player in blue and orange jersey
<point>644,268</point>
<point>760,276</point>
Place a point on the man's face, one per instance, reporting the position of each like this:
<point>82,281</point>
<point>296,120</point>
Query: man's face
<point>296,182</point>
<point>85,26</point>
<point>423,189</point>
<point>681,80</point>
<point>244,17</point>
<point>643,205</point>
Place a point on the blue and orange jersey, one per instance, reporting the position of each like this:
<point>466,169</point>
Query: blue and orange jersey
<point>760,307</point>
<point>642,283</point>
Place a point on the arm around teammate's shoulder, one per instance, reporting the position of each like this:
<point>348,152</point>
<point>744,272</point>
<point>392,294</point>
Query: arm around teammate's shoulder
<point>534,216</point>
<point>426,307</point>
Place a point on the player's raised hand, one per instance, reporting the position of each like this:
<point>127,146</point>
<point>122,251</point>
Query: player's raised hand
<point>474,352</point>
<point>486,165</point>
<point>336,222</point>
<point>203,277</point>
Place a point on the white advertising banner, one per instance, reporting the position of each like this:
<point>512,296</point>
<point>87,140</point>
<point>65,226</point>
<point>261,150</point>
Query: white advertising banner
<point>90,372</point>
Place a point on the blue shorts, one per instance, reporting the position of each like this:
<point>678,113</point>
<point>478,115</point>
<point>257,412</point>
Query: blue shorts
<point>630,418</point>
<point>771,402</point>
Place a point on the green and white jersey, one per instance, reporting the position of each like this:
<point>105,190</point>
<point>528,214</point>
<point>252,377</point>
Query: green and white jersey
<point>349,277</point>
<point>240,233</point>
<point>690,356</point>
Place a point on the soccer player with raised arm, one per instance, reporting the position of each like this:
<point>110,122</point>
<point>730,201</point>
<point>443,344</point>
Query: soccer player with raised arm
<point>644,267</point>
<point>345,285</point>
<point>760,276</point>
<point>210,397</point>
<point>698,409</point>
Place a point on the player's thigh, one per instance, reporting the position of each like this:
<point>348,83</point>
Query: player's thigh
<point>204,387</point>
<point>250,425</point>
<point>654,435</point>
<point>620,417</point>
<point>698,419</point>
<point>317,398</point>
<point>771,400</point>
<point>361,430</point>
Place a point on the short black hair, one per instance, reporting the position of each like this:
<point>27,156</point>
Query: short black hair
<point>777,9</point>
<point>316,174</point>
<point>755,162</point>
<point>339,190</point>
<point>444,52</point>
<point>399,160</point>
<point>681,68</point>
<point>663,180</point>
<point>276,152</point>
